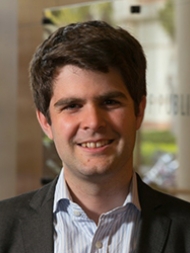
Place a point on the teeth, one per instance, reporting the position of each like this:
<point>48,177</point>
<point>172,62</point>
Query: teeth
<point>97,144</point>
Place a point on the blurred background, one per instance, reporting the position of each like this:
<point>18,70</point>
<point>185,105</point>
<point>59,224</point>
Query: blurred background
<point>28,158</point>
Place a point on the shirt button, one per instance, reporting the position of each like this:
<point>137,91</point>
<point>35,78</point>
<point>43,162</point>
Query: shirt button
<point>98,245</point>
<point>77,213</point>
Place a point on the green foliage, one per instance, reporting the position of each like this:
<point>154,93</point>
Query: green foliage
<point>166,16</point>
<point>158,136</point>
<point>63,16</point>
<point>154,143</point>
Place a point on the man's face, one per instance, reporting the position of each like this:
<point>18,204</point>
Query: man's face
<point>93,123</point>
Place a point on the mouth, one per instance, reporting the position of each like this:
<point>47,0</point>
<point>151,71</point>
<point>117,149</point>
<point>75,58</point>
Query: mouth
<point>95,144</point>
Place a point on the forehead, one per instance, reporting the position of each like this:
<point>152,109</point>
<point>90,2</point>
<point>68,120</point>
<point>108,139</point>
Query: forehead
<point>72,78</point>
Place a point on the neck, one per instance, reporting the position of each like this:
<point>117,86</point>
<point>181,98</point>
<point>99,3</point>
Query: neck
<point>96,199</point>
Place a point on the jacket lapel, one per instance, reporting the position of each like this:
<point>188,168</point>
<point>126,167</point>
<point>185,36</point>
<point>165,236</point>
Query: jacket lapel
<point>37,222</point>
<point>154,224</point>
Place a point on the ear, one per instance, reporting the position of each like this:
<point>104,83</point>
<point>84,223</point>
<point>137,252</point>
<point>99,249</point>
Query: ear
<point>46,127</point>
<point>141,112</point>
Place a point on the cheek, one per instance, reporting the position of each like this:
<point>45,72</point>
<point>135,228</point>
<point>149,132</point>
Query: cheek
<point>65,129</point>
<point>123,120</point>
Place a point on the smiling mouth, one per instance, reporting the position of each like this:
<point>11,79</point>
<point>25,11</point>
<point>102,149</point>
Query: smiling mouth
<point>97,144</point>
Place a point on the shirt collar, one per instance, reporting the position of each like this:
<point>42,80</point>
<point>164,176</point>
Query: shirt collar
<point>62,192</point>
<point>133,196</point>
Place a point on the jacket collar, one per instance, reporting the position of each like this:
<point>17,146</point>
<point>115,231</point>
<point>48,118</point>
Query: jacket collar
<point>155,224</point>
<point>37,222</point>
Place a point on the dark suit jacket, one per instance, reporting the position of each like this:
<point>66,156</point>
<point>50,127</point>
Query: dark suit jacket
<point>26,222</point>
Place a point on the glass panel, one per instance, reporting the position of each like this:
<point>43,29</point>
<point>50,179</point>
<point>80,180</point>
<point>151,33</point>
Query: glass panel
<point>152,23</point>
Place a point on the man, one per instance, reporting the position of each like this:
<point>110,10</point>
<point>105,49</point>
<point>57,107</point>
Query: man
<point>89,88</point>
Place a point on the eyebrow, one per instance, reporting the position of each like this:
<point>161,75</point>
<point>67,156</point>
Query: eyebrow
<point>66,101</point>
<point>112,94</point>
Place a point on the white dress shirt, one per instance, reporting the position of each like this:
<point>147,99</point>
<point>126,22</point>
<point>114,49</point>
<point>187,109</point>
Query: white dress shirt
<point>74,232</point>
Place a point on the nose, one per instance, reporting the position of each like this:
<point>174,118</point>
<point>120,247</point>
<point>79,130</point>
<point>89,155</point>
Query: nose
<point>93,118</point>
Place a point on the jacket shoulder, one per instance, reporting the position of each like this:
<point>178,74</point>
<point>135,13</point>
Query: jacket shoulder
<point>23,213</point>
<point>13,207</point>
<point>167,204</point>
<point>165,221</point>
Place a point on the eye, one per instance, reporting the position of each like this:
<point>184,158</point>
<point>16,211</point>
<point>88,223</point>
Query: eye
<point>72,107</point>
<point>111,102</point>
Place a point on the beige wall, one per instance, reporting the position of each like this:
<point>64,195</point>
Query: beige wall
<point>8,91</point>
<point>183,120</point>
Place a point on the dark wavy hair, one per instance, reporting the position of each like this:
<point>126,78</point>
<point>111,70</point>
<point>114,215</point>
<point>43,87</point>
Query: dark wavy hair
<point>92,45</point>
